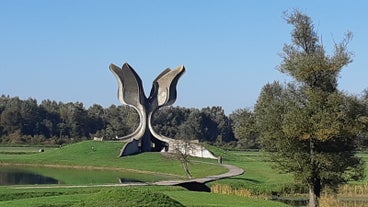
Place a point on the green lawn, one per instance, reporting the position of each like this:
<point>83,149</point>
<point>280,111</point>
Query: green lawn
<point>190,198</point>
<point>127,196</point>
<point>82,162</point>
<point>259,176</point>
<point>17,150</point>
<point>103,155</point>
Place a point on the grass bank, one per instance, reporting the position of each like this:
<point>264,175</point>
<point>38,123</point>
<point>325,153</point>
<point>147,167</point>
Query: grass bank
<point>259,178</point>
<point>100,159</point>
<point>128,196</point>
<point>96,155</point>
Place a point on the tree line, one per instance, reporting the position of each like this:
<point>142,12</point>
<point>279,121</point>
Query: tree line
<point>51,122</point>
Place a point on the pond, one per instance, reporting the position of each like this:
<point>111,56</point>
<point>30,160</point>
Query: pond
<point>15,175</point>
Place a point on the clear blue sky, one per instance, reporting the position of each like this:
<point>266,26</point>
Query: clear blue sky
<point>61,50</point>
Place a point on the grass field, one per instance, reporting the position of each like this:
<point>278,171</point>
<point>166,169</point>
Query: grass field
<point>261,180</point>
<point>94,162</point>
<point>259,177</point>
<point>99,159</point>
<point>128,196</point>
<point>103,156</point>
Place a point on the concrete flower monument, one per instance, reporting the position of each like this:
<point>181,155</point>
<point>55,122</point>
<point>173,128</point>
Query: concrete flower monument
<point>163,93</point>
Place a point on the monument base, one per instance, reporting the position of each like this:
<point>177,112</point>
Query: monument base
<point>171,146</point>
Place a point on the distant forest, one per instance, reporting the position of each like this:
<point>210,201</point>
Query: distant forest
<point>57,123</point>
<point>51,122</point>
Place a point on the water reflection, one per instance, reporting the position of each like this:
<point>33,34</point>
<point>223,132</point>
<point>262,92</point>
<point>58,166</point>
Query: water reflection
<point>16,177</point>
<point>26,175</point>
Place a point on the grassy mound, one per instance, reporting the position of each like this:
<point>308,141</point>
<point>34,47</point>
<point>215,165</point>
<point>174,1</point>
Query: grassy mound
<point>127,197</point>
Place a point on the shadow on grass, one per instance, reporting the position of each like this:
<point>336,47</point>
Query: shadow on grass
<point>246,179</point>
<point>195,186</point>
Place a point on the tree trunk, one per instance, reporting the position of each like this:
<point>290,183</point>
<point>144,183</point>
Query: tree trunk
<point>186,169</point>
<point>315,186</point>
<point>313,198</point>
<point>315,192</point>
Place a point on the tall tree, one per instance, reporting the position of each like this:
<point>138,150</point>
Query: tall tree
<point>244,127</point>
<point>216,125</point>
<point>192,127</point>
<point>167,121</point>
<point>51,118</point>
<point>362,139</point>
<point>96,118</point>
<point>310,126</point>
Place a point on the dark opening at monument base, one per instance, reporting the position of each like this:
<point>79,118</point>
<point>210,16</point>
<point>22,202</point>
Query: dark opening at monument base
<point>146,144</point>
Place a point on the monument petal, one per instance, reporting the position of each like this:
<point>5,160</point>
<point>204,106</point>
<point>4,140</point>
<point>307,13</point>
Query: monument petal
<point>163,91</point>
<point>131,93</point>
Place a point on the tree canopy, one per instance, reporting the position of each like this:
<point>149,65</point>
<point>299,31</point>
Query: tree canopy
<point>310,126</point>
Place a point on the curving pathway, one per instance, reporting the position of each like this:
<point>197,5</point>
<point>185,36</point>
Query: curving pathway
<point>233,171</point>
